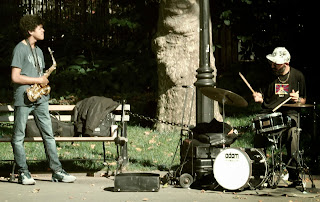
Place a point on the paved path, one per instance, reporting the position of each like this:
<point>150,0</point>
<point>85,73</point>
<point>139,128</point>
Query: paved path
<point>101,189</point>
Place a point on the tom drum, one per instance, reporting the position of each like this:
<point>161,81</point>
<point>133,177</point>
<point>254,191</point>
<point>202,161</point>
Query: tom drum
<point>269,123</point>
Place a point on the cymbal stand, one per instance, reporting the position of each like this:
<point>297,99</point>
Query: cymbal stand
<point>277,166</point>
<point>223,119</point>
<point>301,166</point>
<point>172,176</point>
<point>272,173</point>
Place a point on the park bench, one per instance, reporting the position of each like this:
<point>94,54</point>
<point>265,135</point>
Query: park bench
<point>65,113</point>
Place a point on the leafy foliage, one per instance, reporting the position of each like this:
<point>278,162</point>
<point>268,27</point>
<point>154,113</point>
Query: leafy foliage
<point>104,47</point>
<point>261,25</point>
<point>258,27</point>
<point>101,48</point>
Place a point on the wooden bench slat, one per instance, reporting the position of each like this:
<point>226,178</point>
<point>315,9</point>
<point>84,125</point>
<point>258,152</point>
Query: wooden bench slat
<point>6,108</point>
<point>61,107</point>
<point>10,118</point>
<point>126,107</point>
<point>7,118</point>
<point>10,108</point>
<point>70,117</point>
<point>68,139</point>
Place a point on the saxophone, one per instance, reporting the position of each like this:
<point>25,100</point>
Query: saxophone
<point>35,91</point>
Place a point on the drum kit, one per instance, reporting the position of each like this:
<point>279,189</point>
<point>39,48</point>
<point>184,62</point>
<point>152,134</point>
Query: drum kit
<point>238,168</point>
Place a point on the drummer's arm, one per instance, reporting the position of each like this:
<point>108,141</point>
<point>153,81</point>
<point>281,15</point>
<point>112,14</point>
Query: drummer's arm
<point>257,97</point>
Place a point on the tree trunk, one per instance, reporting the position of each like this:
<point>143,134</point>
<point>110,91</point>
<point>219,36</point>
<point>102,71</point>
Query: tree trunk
<point>177,49</point>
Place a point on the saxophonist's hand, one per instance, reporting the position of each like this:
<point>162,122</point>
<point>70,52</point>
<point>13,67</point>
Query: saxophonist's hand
<point>43,81</point>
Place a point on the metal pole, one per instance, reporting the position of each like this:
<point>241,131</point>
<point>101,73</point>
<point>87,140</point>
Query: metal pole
<point>204,110</point>
<point>124,152</point>
<point>314,139</point>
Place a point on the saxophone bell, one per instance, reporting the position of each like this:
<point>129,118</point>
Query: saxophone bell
<point>46,90</point>
<point>36,91</point>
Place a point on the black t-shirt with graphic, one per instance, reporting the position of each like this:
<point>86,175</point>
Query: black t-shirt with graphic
<point>279,88</point>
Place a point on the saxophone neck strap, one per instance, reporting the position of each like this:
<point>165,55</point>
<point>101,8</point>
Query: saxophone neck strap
<point>35,57</point>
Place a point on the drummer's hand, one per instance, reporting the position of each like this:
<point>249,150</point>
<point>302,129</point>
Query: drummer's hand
<point>257,97</point>
<point>295,96</point>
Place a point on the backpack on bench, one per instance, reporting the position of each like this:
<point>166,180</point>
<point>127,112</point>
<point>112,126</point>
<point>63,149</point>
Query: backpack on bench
<point>59,128</point>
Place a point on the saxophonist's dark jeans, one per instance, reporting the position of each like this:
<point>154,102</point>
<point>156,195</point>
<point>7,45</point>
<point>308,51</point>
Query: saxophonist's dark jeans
<point>43,120</point>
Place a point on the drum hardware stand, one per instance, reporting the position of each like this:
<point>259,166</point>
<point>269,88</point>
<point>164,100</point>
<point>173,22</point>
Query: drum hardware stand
<point>185,179</point>
<point>282,166</point>
<point>314,138</point>
<point>301,166</point>
<point>223,118</point>
<point>276,138</point>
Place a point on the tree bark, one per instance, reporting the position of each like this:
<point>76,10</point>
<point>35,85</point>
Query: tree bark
<point>177,49</point>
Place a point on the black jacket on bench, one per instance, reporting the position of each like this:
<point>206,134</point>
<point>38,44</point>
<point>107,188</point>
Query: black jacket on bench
<point>90,112</point>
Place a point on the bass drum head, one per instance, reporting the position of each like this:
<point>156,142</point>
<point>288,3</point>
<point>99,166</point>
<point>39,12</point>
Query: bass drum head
<point>232,169</point>
<point>259,167</point>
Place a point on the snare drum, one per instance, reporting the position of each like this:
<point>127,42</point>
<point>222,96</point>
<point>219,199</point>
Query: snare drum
<point>269,123</point>
<point>236,168</point>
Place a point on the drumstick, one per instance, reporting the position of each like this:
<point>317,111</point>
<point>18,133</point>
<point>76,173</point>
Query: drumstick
<point>244,79</point>
<point>284,102</point>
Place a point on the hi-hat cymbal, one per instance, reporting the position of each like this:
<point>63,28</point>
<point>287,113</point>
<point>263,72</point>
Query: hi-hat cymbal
<point>298,105</point>
<point>224,96</point>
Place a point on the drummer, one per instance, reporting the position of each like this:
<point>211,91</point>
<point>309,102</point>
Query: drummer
<point>286,82</point>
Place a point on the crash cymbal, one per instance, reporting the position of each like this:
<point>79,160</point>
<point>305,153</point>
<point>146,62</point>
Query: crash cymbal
<point>224,96</point>
<point>298,105</point>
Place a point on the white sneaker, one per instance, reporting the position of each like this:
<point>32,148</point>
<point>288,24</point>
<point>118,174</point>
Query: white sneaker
<point>62,176</point>
<point>26,179</point>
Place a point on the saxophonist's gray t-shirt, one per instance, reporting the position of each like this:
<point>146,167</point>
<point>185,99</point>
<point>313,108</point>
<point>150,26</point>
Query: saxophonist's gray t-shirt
<point>22,58</point>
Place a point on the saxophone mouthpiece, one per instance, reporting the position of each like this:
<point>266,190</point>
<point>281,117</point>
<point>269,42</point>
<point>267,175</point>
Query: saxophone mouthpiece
<point>50,51</point>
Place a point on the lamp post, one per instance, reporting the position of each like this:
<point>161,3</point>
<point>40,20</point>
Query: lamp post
<point>204,105</point>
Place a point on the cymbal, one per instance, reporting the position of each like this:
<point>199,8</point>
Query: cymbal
<point>224,96</point>
<point>298,105</point>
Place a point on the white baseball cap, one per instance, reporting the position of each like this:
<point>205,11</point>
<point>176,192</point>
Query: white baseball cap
<point>280,55</point>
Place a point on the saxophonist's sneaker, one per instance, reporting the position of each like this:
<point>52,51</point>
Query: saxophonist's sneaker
<point>62,176</point>
<point>26,179</point>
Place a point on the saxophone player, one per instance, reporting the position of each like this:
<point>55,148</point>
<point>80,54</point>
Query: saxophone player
<point>27,69</point>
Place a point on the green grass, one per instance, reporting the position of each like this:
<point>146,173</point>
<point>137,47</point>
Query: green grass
<point>147,150</point>
<point>246,134</point>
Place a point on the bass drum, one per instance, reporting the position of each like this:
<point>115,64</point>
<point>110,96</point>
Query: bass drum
<point>236,169</point>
